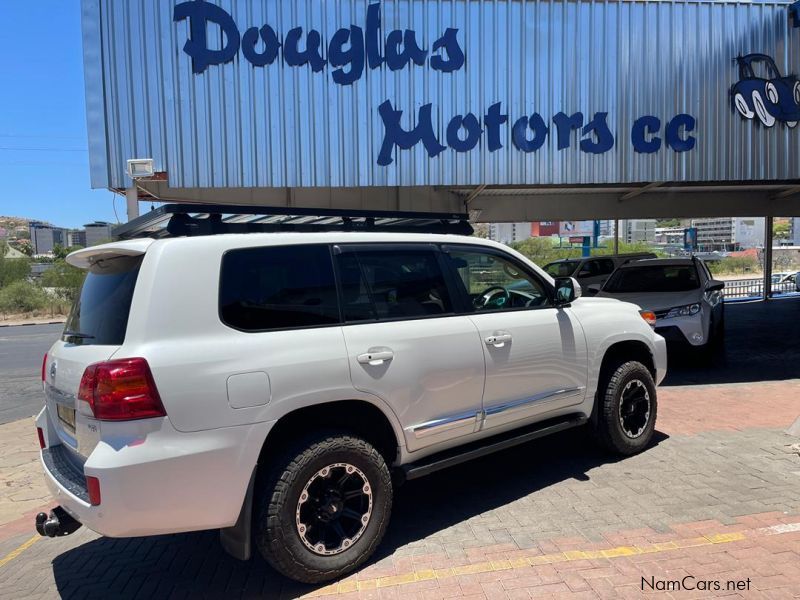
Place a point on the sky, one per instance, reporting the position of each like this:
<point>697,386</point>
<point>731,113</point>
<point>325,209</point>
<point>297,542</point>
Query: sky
<point>44,162</point>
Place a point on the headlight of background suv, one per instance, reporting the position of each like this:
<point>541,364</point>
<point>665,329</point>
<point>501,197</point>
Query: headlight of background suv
<point>683,311</point>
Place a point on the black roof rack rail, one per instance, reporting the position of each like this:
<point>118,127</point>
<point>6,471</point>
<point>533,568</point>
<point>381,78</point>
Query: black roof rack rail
<point>172,220</point>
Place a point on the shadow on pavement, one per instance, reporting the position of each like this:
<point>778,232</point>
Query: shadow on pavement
<point>762,343</point>
<point>194,564</point>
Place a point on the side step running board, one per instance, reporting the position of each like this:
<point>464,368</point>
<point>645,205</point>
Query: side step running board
<point>456,456</point>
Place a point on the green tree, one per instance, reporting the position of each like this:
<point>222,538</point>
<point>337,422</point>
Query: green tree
<point>65,280</point>
<point>625,248</point>
<point>481,230</point>
<point>542,250</point>
<point>781,229</point>
<point>12,269</point>
<point>61,252</point>
<point>734,264</point>
<point>22,296</point>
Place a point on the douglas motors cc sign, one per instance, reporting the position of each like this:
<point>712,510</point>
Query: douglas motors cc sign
<point>350,53</point>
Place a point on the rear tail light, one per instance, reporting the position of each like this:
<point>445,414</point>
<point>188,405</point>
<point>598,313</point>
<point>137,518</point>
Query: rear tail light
<point>121,390</point>
<point>44,367</point>
<point>40,433</point>
<point>649,316</point>
<point>93,487</point>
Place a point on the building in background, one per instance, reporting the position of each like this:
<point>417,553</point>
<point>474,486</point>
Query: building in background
<point>669,236</point>
<point>506,233</point>
<point>97,233</point>
<point>635,231</point>
<point>45,237</point>
<point>795,231</point>
<point>728,234</point>
<point>76,237</point>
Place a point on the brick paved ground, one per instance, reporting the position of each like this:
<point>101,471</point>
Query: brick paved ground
<point>22,487</point>
<point>716,497</point>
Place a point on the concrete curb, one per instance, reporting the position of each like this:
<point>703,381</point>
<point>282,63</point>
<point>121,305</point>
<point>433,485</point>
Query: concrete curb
<point>33,323</point>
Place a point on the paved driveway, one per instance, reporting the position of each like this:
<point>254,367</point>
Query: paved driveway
<point>716,497</point>
<point>21,352</point>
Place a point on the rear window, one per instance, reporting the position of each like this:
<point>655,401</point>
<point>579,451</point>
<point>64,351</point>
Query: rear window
<point>661,278</point>
<point>278,287</point>
<point>561,269</point>
<point>100,315</point>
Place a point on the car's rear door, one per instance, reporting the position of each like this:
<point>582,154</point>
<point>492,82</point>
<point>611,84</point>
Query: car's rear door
<point>405,342</point>
<point>535,352</point>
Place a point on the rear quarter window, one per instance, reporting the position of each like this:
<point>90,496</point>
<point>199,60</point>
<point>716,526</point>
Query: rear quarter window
<point>100,314</point>
<point>278,287</point>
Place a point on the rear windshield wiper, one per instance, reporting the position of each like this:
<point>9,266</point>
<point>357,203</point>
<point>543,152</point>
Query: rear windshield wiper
<point>78,334</point>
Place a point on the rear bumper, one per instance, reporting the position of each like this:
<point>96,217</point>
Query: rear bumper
<point>157,480</point>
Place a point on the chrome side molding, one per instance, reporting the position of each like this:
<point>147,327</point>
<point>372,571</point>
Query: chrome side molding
<point>443,424</point>
<point>522,402</point>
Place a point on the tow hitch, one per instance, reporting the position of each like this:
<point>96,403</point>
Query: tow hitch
<point>56,524</point>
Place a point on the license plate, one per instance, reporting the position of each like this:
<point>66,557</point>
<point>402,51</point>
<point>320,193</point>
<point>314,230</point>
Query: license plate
<point>67,416</point>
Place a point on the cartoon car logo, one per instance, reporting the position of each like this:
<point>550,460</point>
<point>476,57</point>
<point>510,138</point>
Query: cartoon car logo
<point>764,93</point>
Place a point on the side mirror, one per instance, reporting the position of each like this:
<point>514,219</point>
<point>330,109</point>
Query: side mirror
<point>567,290</point>
<point>715,286</point>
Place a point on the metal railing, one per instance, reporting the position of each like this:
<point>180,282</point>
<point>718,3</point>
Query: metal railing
<point>754,288</point>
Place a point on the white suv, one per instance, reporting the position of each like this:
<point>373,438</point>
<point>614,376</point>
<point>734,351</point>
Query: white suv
<point>278,386</point>
<point>685,299</point>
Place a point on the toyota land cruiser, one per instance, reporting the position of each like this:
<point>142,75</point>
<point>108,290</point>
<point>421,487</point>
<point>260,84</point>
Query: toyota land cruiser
<point>278,386</point>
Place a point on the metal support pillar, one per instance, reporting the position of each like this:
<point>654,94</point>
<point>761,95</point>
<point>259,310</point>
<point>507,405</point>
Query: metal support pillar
<point>132,200</point>
<point>616,236</point>
<point>767,291</point>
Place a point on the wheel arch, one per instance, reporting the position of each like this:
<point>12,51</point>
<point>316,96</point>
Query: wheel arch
<point>628,350</point>
<point>616,353</point>
<point>363,418</point>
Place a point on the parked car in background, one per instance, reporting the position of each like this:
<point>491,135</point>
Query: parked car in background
<point>685,298</point>
<point>278,386</point>
<point>593,270</point>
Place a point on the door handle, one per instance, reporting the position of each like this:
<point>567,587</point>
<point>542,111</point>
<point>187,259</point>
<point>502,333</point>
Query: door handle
<point>375,358</point>
<point>498,339</point>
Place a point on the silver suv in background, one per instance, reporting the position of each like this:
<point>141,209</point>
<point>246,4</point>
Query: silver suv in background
<point>593,270</point>
<point>681,292</point>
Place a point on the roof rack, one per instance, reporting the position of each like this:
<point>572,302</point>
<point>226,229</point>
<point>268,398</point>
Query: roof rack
<point>171,220</point>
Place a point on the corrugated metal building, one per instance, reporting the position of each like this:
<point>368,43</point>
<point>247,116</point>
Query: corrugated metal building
<point>514,108</point>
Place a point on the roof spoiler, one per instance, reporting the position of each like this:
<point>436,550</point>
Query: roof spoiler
<point>86,257</point>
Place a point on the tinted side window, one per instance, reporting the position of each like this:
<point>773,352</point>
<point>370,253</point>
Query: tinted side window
<point>605,266</point>
<point>493,282</point>
<point>589,269</point>
<point>392,284</point>
<point>278,287</point>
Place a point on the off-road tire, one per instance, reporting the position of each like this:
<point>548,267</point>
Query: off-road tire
<point>275,531</point>
<point>608,430</point>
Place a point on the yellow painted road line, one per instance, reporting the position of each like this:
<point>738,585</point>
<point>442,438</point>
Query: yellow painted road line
<point>15,553</point>
<point>350,585</point>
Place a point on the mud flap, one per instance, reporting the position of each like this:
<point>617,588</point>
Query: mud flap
<point>237,540</point>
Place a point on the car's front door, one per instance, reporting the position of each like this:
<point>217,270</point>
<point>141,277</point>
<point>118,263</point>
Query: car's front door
<point>535,352</point>
<point>405,342</point>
